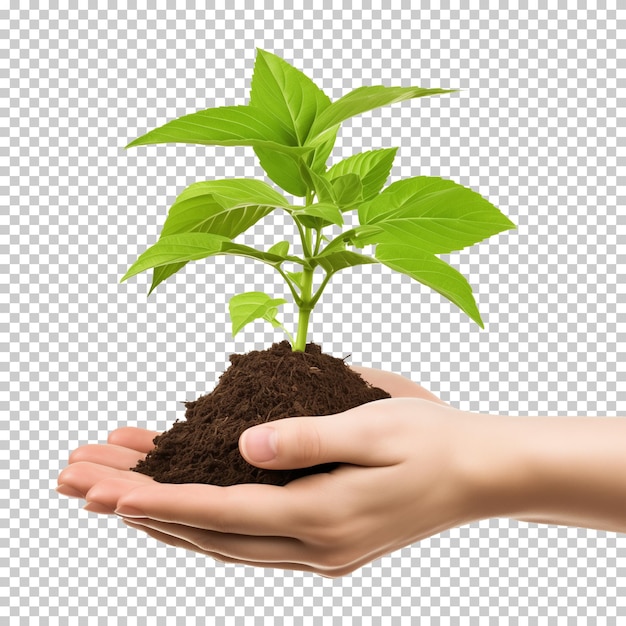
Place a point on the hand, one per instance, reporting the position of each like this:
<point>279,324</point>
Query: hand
<point>398,483</point>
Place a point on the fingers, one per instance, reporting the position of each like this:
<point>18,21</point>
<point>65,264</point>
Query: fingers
<point>106,493</point>
<point>249,509</point>
<point>134,438</point>
<point>357,437</point>
<point>80,477</point>
<point>117,457</point>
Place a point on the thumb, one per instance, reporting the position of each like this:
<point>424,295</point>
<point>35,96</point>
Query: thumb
<point>356,436</point>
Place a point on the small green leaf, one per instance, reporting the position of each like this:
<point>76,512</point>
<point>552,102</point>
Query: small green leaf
<point>361,100</point>
<point>347,190</point>
<point>223,207</point>
<point>434,214</point>
<point>228,247</point>
<point>318,183</point>
<point>371,167</point>
<point>328,214</point>
<point>283,168</point>
<point>296,277</point>
<point>288,95</point>
<point>280,249</point>
<point>247,307</point>
<point>323,151</point>
<point>336,261</point>
<point>224,126</point>
<point>355,236</point>
<point>432,272</point>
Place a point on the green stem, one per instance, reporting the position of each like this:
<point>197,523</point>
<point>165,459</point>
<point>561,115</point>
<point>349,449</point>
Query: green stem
<point>305,308</point>
<point>306,303</point>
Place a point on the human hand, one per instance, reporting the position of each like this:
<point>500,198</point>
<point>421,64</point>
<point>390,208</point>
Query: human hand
<point>398,483</point>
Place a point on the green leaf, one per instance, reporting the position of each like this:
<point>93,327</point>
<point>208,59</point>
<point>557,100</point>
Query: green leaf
<point>432,272</point>
<point>280,249</point>
<point>275,260</point>
<point>326,212</point>
<point>371,167</point>
<point>318,183</point>
<point>222,207</point>
<point>323,151</point>
<point>361,100</point>
<point>163,272</point>
<point>296,277</point>
<point>434,214</point>
<point>347,190</point>
<point>247,307</point>
<point>285,167</point>
<point>224,126</point>
<point>336,261</point>
<point>177,249</point>
<point>288,95</point>
<point>355,236</point>
<point>294,101</point>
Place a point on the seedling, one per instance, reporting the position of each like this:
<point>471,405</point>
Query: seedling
<point>292,127</point>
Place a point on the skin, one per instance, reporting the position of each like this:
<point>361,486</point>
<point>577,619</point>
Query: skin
<point>412,466</point>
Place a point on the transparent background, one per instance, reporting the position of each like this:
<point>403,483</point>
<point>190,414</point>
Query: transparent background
<point>535,128</point>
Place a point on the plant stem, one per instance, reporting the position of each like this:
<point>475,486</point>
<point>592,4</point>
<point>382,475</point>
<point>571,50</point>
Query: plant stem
<point>306,304</point>
<point>305,309</point>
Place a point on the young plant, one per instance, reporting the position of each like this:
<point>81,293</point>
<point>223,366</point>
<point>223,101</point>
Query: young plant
<point>292,126</point>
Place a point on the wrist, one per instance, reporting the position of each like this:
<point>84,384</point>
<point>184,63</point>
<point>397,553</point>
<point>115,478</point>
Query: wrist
<point>495,466</point>
<point>552,470</point>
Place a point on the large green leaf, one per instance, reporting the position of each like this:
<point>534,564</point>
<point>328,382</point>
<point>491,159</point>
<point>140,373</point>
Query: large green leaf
<point>247,307</point>
<point>371,167</point>
<point>224,126</point>
<point>177,249</point>
<point>294,101</point>
<point>184,247</point>
<point>223,207</point>
<point>434,214</point>
<point>361,100</point>
<point>163,272</point>
<point>432,272</point>
<point>287,94</point>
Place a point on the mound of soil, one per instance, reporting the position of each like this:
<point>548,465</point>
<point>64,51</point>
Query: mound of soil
<point>258,387</point>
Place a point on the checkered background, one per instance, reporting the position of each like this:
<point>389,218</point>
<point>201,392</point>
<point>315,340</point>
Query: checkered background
<point>536,129</point>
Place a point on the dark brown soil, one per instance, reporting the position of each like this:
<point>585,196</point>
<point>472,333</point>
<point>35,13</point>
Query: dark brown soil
<point>259,386</point>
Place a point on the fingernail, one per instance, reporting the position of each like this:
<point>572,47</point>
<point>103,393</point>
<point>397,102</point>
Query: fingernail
<point>129,511</point>
<point>259,444</point>
<point>96,507</point>
<point>66,490</point>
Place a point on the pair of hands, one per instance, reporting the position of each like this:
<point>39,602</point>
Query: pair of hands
<point>401,479</point>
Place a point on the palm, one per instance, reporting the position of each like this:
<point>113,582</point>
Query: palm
<point>113,461</point>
